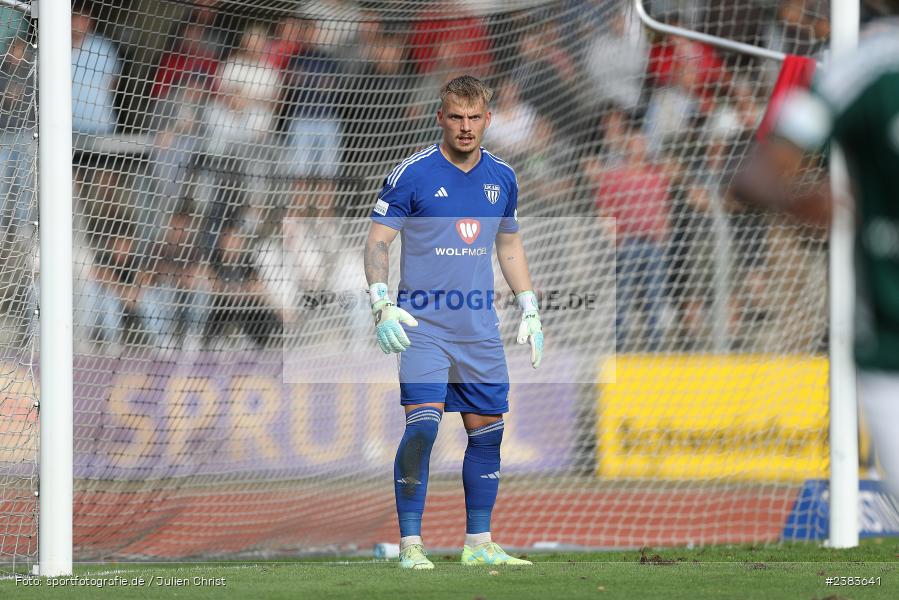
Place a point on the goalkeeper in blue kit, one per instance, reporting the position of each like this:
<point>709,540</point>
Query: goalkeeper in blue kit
<point>451,202</point>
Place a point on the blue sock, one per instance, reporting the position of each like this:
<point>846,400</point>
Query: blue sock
<point>410,469</point>
<point>480,475</point>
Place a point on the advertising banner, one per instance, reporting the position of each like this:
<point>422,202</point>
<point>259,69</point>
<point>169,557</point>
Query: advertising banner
<point>744,417</point>
<point>212,415</point>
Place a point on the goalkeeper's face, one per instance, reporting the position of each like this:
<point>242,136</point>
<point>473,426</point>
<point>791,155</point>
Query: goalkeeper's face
<point>463,123</point>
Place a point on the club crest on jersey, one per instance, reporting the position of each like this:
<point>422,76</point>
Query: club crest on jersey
<point>491,190</point>
<point>468,230</point>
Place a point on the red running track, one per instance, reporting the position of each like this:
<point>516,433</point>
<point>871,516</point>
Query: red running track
<point>201,522</point>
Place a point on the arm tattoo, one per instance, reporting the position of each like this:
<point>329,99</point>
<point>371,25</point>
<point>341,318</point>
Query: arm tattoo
<point>377,262</point>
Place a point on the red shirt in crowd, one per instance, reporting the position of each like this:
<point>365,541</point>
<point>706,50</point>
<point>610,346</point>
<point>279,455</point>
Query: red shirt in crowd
<point>667,58</point>
<point>175,66</point>
<point>465,39</point>
<point>637,197</point>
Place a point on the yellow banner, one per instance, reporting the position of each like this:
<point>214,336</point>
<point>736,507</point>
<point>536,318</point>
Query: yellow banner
<point>743,417</point>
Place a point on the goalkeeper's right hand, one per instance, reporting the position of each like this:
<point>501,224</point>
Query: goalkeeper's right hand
<point>389,321</point>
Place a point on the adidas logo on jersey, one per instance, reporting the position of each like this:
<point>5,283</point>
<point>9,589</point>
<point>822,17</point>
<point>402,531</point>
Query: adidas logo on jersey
<point>494,475</point>
<point>441,193</point>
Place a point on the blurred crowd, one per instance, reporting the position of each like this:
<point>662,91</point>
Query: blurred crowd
<point>242,125</point>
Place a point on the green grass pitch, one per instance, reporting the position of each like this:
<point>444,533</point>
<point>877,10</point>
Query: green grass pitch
<point>796,571</point>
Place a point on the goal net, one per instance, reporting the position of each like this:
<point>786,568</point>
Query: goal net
<point>18,293</point>
<point>227,157</point>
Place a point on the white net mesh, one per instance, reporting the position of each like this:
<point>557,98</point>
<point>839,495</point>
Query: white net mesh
<point>206,130</point>
<point>18,253</point>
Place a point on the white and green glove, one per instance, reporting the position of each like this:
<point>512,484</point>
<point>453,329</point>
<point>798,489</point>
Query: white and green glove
<point>388,318</point>
<point>530,329</point>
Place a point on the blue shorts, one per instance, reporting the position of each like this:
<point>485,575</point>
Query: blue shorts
<point>467,377</point>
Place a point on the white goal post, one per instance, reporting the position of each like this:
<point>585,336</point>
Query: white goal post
<point>844,496</point>
<point>56,333</point>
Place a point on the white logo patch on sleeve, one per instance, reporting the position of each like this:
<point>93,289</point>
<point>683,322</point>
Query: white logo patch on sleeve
<point>381,207</point>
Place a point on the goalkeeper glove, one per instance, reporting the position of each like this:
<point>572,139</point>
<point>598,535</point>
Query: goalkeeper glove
<point>388,316</point>
<point>530,329</point>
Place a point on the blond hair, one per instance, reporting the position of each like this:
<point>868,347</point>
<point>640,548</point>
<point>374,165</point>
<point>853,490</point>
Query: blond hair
<point>467,88</point>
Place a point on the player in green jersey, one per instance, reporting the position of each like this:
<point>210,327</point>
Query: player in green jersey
<point>854,103</point>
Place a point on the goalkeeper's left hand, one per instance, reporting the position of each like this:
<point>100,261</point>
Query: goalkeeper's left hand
<point>530,329</point>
